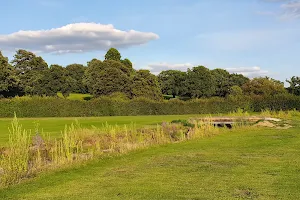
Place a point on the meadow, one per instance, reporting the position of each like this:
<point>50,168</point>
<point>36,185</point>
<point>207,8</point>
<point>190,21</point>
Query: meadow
<point>54,126</point>
<point>241,163</point>
<point>252,164</point>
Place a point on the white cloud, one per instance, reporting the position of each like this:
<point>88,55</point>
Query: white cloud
<point>77,37</point>
<point>291,10</point>
<point>156,68</point>
<point>250,72</point>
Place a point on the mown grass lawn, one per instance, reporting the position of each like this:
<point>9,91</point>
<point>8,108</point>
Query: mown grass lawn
<point>260,163</point>
<point>54,126</point>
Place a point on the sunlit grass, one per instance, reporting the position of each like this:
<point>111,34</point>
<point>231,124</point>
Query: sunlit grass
<point>22,158</point>
<point>76,96</point>
<point>254,163</point>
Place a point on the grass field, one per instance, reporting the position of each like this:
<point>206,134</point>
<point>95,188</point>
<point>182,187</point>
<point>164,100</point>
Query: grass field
<point>55,125</point>
<point>76,96</point>
<point>250,163</point>
<point>253,164</point>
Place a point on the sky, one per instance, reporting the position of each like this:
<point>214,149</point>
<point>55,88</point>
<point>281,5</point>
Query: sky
<point>252,37</point>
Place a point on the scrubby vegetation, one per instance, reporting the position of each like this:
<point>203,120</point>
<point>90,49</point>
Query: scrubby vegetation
<point>25,155</point>
<point>248,161</point>
<point>121,106</point>
<point>112,87</point>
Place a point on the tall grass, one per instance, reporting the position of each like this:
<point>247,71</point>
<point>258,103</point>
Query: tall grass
<point>25,156</point>
<point>14,160</point>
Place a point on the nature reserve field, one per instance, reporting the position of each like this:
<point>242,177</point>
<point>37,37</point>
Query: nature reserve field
<point>54,126</point>
<point>241,163</point>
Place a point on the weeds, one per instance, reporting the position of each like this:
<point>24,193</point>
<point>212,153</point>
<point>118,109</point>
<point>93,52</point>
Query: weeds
<point>25,155</point>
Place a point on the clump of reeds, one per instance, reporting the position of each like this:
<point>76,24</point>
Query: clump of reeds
<point>14,163</point>
<point>239,113</point>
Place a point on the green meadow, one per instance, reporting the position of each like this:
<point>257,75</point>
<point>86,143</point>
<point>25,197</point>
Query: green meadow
<point>241,163</point>
<point>54,126</point>
<point>249,164</point>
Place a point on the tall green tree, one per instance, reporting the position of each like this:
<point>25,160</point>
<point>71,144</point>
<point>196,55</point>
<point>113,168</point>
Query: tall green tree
<point>108,77</point>
<point>58,81</point>
<point>172,82</point>
<point>200,83</point>
<point>145,85</point>
<point>76,72</point>
<point>92,72</point>
<point>113,54</point>
<point>32,71</point>
<point>127,63</point>
<point>26,61</point>
<point>238,80</point>
<point>264,87</point>
<point>9,82</point>
<point>294,85</point>
<point>222,79</point>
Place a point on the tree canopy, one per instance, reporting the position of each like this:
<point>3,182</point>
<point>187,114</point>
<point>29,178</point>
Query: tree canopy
<point>9,84</point>
<point>294,85</point>
<point>264,86</point>
<point>200,82</point>
<point>113,54</point>
<point>172,82</point>
<point>29,74</point>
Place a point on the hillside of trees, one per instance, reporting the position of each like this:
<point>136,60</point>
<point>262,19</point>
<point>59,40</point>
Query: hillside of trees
<point>29,74</point>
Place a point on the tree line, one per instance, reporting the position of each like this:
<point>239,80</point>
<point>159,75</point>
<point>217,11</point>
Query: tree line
<point>29,74</point>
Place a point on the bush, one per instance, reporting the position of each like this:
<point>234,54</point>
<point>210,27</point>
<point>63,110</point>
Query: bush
<point>276,102</point>
<point>119,106</point>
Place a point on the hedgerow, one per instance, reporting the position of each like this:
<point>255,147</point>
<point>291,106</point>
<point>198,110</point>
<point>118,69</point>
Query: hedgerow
<point>107,106</point>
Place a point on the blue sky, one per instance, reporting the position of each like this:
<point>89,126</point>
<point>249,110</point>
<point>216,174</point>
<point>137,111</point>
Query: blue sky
<point>253,37</point>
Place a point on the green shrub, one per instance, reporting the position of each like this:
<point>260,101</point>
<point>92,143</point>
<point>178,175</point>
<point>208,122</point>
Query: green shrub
<point>119,106</point>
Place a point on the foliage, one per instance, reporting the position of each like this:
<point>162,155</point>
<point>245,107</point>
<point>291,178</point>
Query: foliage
<point>32,72</point>
<point>172,82</point>
<point>9,82</point>
<point>26,61</point>
<point>29,75</point>
<point>145,85</point>
<point>113,54</point>
<point>238,79</point>
<point>283,101</point>
<point>91,74</point>
<point>222,81</point>
<point>294,85</point>
<point>263,87</point>
<point>247,164</point>
<point>113,77</point>
<point>200,82</point>
<point>236,91</point>
<point>74,74</point>
<point>22,158</point>
<point>127,63</point>
<point>108,106</point>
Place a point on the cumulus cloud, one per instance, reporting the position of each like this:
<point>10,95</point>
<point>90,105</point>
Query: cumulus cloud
<point>72,38</point>
<point>156,68</point>
<point>250,72</point>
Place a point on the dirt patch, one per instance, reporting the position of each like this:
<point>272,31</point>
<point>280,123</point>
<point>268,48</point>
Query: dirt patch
<point>284,127</point>
<point>265,124</point>
<point>272,119</point>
